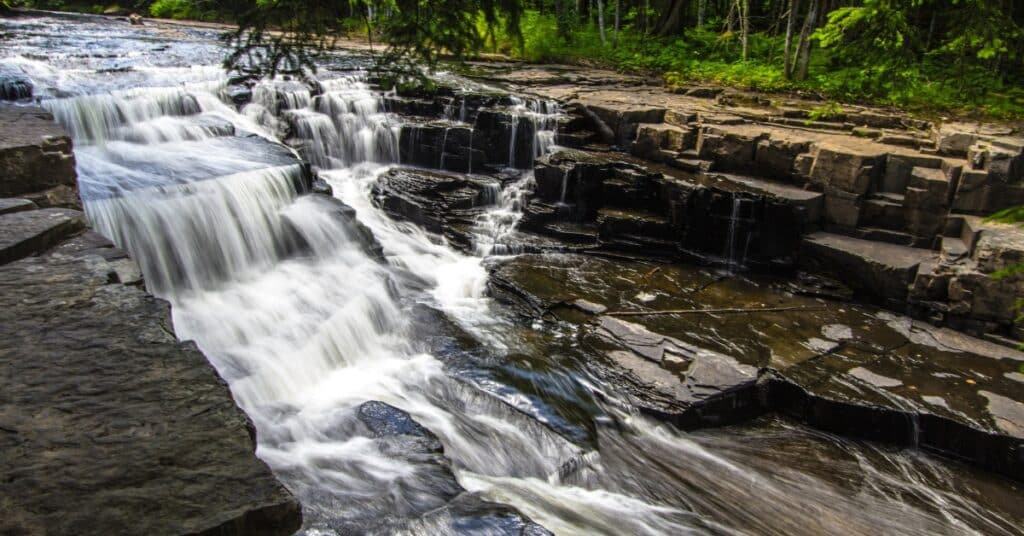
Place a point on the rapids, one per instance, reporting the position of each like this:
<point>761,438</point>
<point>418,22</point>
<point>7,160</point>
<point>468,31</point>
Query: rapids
<point>304,325</point>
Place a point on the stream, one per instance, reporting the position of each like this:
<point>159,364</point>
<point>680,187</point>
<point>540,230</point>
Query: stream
<point>305,324</point>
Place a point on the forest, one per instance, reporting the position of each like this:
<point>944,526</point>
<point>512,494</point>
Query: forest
<point>957,57</point>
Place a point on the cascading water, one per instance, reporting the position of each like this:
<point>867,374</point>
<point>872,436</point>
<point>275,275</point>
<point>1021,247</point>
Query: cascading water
<point>280,294</point>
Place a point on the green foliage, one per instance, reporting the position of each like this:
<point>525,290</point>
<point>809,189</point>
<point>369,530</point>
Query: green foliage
<point>827,111</point>
<point>175,9</point>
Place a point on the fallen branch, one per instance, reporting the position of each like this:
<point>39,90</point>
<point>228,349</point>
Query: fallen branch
<point>713,311</point>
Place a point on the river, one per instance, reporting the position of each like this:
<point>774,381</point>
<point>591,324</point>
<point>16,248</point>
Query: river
<point>305,325</point>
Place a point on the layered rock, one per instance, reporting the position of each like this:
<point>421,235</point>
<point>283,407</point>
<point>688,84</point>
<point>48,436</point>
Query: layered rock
<point>107,421</point>
<point>844,368</point>
<point>36,159</point>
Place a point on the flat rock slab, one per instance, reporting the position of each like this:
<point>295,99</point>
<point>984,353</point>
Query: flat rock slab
<point>845,368</point>
<point>108,424</point>
<point>875,268</point>
<point>8,205</point>
<point>33,231</point>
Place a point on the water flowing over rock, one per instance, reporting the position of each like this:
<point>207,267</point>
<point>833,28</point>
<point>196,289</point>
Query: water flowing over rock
<point>436,316</point>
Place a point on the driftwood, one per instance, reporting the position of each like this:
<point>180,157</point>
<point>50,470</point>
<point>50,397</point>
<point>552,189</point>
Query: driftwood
<point>713,311</point>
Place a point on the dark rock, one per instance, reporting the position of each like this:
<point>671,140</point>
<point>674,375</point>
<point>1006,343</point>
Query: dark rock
<point>879,271</point>
<point>439,202</point>
<point>32,232</point>
<point>385,420</point>
<point>98,392</point>
<point>14,87</point>
<point>35,153</point>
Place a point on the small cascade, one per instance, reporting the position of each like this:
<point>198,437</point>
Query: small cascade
<point>734,261</point>
<point>512,142</point>
<point>99,118</point>
<point>444,145</point>
<point>199,235</point>
<point>565,185</point>
<point>320,131</point>
<point>469,169</point>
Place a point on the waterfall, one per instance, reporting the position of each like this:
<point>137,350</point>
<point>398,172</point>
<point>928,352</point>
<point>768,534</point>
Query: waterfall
<point>274,288</point>
<point>565,185</point>
<point>444,143</point>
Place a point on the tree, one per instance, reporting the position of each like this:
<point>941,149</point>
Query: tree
<point>418,33</point>
<point>804,51</point>
<point>794,6</point>
<point>744,9</point>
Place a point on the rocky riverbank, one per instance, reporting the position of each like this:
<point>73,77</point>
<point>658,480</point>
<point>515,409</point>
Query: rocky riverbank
<point>108,423</point>
<point>730,202</point>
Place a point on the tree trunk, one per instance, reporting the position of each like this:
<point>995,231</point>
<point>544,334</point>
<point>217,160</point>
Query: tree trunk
<point>794,6</point>
<point>804,54</point>
<point>615,38</point>
<point>600,19</point>
<point>745,27</point>
<point>672,21</point>
<point>702,6</point>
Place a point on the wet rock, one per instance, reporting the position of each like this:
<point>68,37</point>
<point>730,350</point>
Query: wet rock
<point>839,367</point>
<point>97,391</point>
<point>447,146</point>
<point>14,87</point>
<point>31,232</point>
<point>880,271</point>
<point>439,202</point>
<point>240,95</point>
<point>443,507</point>
<point>385,420</point>
<point>357,232</point>
<point>35,153</point>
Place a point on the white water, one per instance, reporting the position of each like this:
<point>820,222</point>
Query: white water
<point>280,296</point>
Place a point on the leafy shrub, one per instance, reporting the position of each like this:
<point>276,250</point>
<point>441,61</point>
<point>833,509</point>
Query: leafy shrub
<point>175,9</point>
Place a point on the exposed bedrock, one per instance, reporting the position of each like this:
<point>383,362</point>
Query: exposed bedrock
<point>890,204</point>
<point>849,369</point>
<point>108,423</point>
<point>440,202</point>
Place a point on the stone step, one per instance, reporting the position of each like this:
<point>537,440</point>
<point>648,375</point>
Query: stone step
<point>811,202</point>
<point>10,205</point>
<point>879,270</point>
<point>34,231</point>
<point>614,222</point>
<point>691,165</point>
<point>953,249</point>
<point>890,197</point>
<point>578,233</point>
<point>888,236</point>
<point>883,214</point>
